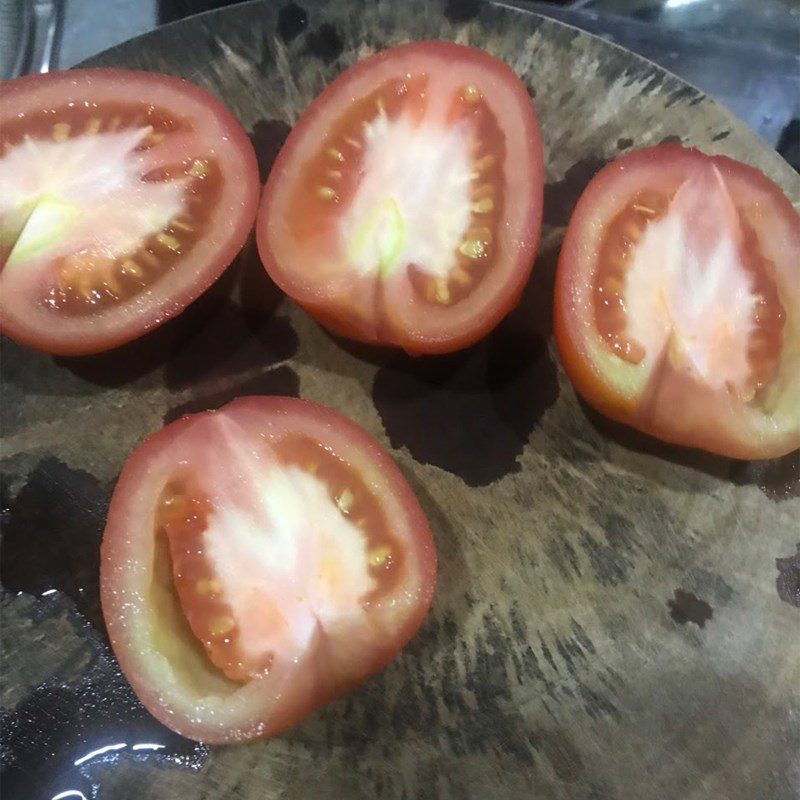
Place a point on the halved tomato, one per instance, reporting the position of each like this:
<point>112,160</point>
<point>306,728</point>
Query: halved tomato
<point>123,196</point>
<point>405,206</point>
<point>677,302</point>
<point>259,561</point>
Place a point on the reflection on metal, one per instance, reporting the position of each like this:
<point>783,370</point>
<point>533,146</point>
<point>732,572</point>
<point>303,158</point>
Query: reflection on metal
<point>99,752</point>
<point>30,33</point>
<point>73,794</point>
<point>48,22</point>
<point>758,23</point>
<point>738,59</point>
<point>16,25</point>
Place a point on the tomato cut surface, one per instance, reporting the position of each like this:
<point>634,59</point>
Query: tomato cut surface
<point>677,302</point>
<point>405,206</point>
<point>123,196</point>
<point>257,562</point>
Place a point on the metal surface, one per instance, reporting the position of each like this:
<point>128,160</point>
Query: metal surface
<point>747,60</point>
<point>94,25</point>
<point>772,24</point>
<point>48,18</point>
<point>759,84</point>
<point>614,619</point>
<point>15,35</point>
<point>30,35</point>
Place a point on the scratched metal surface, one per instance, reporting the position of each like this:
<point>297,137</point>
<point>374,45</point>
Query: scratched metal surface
<point>613,619</point>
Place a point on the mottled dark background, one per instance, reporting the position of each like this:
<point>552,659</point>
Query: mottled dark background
<point>614,618</point>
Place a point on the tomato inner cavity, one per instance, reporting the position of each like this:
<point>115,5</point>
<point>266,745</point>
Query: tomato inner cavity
<point>256,579</point>
<point>106,198</point>
<point>681,277</point>
<point>409,177</point>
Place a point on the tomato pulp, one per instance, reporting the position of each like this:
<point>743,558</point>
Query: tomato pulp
<point>677,302</point>
<point>123,196</point>
<point>257,562</point>
<point>405,206</point>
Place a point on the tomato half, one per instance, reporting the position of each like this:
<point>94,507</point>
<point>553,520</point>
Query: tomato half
<point>123,196</point>
<point>677,302</point>
<point>257,562</point>
<point>405,207</point>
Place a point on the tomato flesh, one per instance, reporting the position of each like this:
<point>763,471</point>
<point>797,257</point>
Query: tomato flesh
<point>422,194</point>
<point>224,616</point>
<point>753,339</point>
<point>397,217</point>
<point>676,306</point>
<point>111,210</point>
<point>152,215</point>
<point>271,579</point>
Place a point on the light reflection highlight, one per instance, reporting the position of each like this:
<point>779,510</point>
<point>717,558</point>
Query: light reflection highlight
<point>99,752</point>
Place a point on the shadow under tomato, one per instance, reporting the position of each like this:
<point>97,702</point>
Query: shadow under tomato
<point>561,196</point>
<point>777,478</point>
<point>281,380</point>
<point>205,334</point>
<point>136,359</point>
<point>51,536</point>
<point>267,137</point>
<point>236,337</point>
<point>472,412</point>
<point>375,354</point>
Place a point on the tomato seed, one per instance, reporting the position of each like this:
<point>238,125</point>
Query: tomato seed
<point>482,164</point>
<point>379,556</point>
<point>130,267</point>
<point>471,94</point>
<point>645,210</point>
<point>198,169</point>
<point>170,242</point>
<point>219,626</point>
<point>461,276</point>
<point>483,206</point>
<point>208,586</point>
<point>325,193</point>
<point>345,501</point>
<point>61,131</point>
<point>472,248</point>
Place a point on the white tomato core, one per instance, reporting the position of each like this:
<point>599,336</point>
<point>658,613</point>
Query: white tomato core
<point>688,290</point>
<point>288,564</point>
<point>413,204</point>
<point>55,191</point>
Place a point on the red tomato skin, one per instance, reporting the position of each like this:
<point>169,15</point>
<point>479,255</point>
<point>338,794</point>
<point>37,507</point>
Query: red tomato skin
<point>693,428</point>
<point>445,340</point>
<point>95,338</point>
<point>118,545</point>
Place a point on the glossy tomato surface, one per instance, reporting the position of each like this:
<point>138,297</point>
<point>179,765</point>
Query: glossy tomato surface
<point>123,196</point>
<point>405,207</point>
<point>677,302</point>
<point>257,562</point>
